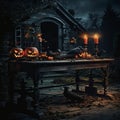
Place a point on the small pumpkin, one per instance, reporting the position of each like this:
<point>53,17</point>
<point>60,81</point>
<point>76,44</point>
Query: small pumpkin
<point>31,52</point>
<point>16,53</point>
<point>50,58</point>
<point>43,54</point>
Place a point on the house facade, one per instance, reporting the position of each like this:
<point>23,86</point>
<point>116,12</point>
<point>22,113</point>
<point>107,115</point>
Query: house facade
<point>56,25</point>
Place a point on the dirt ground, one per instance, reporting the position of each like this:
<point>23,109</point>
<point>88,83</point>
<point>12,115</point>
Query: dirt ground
<point>99,107</point>
<point>54,106</point>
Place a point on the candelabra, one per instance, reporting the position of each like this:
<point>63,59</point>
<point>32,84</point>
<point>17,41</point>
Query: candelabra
<point>39,36</point>
<point>85,50</point>
<point>40,46</point>
<point>96,42</point>
<point>96,50</point>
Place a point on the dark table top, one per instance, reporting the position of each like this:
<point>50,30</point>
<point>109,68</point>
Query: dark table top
<point>61,65</point>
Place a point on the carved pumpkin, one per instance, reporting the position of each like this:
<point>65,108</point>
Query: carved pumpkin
<point>31,52</point>
<point>16,53</point>
<point>85,55</point>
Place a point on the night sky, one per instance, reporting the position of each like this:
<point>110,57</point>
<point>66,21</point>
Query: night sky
<point>83,7</point>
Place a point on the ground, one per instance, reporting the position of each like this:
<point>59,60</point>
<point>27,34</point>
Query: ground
<point>55,106</point>
<point>92,108</point>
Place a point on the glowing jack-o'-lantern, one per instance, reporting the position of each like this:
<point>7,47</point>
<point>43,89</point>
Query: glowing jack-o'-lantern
<point>31,52</point>
<point>16,53</point>
<point>85,55</point>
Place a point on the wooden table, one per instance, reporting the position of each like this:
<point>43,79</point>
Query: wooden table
<point>36,68</point>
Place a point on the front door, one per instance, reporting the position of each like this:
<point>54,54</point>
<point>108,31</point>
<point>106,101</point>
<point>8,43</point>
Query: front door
<point>49,32</point>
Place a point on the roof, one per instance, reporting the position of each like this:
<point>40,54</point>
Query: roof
<point>62,12</point>
<point>68,17</point>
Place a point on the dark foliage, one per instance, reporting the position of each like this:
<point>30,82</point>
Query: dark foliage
<point>72,12</point>
<point>110,28</point>
<point>117,46</point>
<point>11,13</point>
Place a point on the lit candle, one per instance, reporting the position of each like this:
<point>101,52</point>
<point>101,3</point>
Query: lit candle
<point>96,39</point>
<point>85,37</point>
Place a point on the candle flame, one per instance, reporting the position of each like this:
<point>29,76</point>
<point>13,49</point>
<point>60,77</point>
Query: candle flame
<point>96,36</point>
<point>85,37</point>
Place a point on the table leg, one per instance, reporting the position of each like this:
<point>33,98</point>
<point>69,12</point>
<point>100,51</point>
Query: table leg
<point>36,89</point>
<point>91,90</point>
<point>105,79</point>
<point>11,83</point>
<point>36,94</point>
<point>91,80</point>
<point>77,80</point>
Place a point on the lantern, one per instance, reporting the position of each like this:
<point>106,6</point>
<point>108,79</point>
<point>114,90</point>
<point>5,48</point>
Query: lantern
<point>31,52</point>
<point>16,53</point>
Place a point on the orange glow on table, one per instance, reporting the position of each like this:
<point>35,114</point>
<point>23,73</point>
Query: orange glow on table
<point>50,58</point>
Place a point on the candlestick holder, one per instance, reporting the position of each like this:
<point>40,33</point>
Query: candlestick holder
<point>39,37</point>
<point>40,46</point>
<point>85,47</point>
<point>85,50</point>
<point>96,50</point>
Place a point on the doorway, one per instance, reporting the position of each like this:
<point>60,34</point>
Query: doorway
<point>49,32</point>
